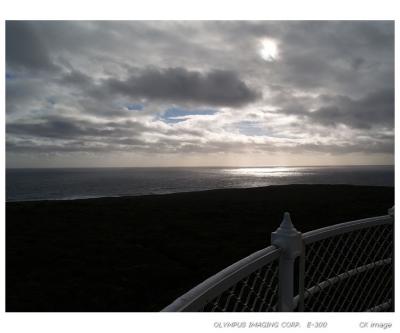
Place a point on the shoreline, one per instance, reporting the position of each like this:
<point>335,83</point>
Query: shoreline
<point>188,191</point>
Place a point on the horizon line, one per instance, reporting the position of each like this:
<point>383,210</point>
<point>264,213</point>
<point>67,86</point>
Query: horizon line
<point>201,166</point>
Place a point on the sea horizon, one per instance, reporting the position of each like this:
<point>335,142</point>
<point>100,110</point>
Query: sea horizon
<point>205,166</point>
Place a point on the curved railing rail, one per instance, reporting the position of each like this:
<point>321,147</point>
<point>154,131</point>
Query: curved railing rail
<point>341,228</point>
<point>343,267</point>
<point>210,292</point>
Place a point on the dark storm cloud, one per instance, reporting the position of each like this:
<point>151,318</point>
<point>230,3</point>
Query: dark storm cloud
<point>218,87</point>
<point>25,49</point>
<point>68,128</point>
<point>51,128</point>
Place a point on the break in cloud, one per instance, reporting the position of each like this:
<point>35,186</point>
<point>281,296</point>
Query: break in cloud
<point>88,93</point>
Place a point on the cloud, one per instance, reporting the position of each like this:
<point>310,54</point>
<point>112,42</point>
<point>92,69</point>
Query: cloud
<point>199,87</point>
<point>374,109</point>
<point>77,79</point>
<point>58,127</point>
<point>25,49</point>
<point>333,55</point>
<point>164,143</point>
<point>369,147</point>
<point>217,87</point>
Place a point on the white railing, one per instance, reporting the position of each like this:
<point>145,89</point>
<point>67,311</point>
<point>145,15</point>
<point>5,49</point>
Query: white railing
<point>344,267</point>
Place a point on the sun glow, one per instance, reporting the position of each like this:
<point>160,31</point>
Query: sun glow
<point>269,50</point>
<point>268,171</point>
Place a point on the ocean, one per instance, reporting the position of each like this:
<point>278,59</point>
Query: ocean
<point>80,183</point>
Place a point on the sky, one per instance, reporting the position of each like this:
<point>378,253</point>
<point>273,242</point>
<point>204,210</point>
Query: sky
<point>199,93</point>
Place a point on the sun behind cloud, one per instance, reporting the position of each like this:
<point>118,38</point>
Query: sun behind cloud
<point>269,49</point>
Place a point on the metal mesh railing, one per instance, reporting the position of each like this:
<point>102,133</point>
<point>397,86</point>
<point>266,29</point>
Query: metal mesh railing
<point>258,292</point>
<point>352,271</point>
<point>346,267</point>
<point>250,285</point>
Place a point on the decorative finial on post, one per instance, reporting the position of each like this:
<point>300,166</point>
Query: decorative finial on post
<point>287,222</point>
<point>289,240</point>
<point>285,231</point>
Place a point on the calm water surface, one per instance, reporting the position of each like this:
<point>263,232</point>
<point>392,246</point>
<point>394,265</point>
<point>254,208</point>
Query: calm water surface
<point>74,183</point>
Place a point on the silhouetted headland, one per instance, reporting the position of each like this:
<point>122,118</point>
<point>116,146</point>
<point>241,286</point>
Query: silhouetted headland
<point>140,253</point>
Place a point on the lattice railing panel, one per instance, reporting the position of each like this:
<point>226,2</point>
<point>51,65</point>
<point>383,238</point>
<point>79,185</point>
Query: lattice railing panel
<point>347,267</point>
<point>258,292</point>
<point>352,271</point>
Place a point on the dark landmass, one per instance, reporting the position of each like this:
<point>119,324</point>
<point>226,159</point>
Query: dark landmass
<point>140,253</point>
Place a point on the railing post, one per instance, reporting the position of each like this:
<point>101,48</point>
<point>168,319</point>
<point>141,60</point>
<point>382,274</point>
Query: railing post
<point>289,240</point>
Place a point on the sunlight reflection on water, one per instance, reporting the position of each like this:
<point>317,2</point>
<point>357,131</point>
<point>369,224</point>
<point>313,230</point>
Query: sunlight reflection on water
<point>268,171</point>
